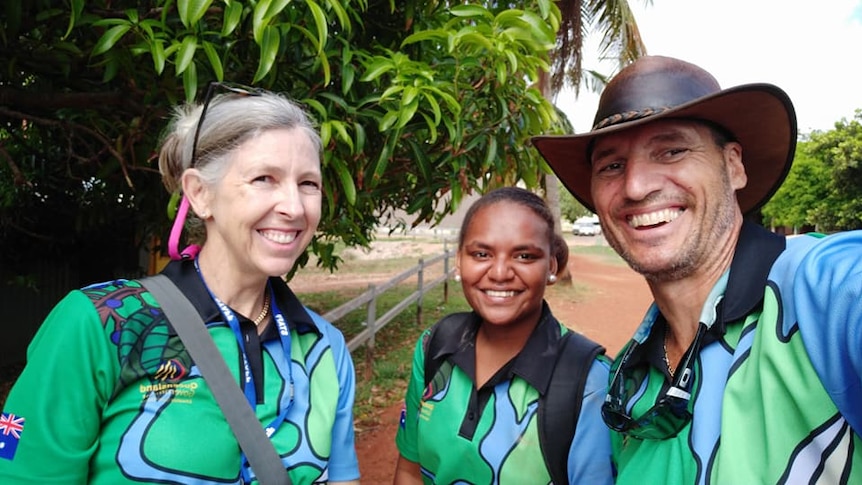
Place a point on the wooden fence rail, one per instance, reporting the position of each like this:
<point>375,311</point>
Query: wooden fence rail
<point>374,322</point>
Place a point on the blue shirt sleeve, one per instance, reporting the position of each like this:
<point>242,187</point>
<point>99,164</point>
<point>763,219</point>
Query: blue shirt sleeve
<point>825,300</point>
<point>343,463</point>
<point>590,454</point>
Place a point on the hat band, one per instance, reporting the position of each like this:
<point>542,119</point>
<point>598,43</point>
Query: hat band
<point>629,116</point>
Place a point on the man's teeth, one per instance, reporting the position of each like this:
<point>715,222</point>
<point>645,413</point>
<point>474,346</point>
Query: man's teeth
<point>499,294</point>
<point>279,236</point>
<point>653,218</point>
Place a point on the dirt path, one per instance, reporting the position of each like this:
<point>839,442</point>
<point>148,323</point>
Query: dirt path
<point>614,302</point>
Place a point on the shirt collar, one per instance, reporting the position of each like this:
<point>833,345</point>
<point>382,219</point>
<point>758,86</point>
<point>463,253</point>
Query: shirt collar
<point>184,275</point>
<point>756,251</point>
<point>533,363</point>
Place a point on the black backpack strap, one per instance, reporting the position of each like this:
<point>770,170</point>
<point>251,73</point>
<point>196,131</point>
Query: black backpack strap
<point>447,329</point>
<point>560,407</point>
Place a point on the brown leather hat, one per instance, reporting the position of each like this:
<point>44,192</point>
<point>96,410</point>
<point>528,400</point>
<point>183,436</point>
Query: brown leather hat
<point>759,116</point>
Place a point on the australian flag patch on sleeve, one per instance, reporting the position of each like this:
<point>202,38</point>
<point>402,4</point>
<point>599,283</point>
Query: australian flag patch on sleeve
<point>11,427</point>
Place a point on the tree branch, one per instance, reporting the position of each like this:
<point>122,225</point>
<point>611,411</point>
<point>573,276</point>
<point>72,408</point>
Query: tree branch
<point>74,127</point>
<point>29,101</point>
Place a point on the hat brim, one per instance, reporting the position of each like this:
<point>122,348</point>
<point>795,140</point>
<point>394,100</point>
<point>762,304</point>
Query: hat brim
<point>760,116</point>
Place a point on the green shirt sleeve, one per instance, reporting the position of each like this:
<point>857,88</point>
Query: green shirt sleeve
<point>70,374</point>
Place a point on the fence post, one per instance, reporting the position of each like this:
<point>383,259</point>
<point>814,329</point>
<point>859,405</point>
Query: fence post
<point>419,277</point>
<point>445,272</point>
<point>372,329</point>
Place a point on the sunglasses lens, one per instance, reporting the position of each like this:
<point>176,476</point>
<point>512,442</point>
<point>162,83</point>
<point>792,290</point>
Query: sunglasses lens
<point>664,420</point>
<point>616,420</point>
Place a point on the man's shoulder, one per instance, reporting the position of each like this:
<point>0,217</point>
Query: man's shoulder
<point>816,252</point>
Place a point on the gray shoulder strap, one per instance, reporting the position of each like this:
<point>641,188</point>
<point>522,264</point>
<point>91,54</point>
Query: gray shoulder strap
<point>192,331</point>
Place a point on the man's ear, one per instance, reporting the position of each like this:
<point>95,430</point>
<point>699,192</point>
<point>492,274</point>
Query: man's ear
<point>197,192</point>
<point>735,167</point>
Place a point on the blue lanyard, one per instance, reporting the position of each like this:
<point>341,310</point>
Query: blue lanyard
<point>248,385</point>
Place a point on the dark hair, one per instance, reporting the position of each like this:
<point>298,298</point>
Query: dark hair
<point>525,198</point>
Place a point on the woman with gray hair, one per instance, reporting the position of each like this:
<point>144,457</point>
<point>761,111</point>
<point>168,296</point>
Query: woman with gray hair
<point>245,165</point>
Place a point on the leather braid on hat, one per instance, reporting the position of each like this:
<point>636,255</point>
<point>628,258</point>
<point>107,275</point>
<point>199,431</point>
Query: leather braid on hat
<point>629,116</point>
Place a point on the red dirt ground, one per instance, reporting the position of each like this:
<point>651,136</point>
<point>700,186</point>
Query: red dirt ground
<point>615,300</point>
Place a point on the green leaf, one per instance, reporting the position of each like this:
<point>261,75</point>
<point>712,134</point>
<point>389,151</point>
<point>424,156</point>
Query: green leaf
<point>391,91</point>
<point>347,76</point>
<point>190,82</point>
<point>259,20</point>
<point>341,13</point>
<point>382,161</point>
<point>132,15</point>
<point>432,35</point>
<point>501,73</point>
<point>491,153</point>
<point>341,102</point>
<point>107,22</point>
<point>317,106</point>
<point>343,135</point>
<point>111,69</point>
<point>410,93</point>
<point>379,67</point>
<point>435,107</point>
<point>388,120</point>
<point>274,7</point>
<point>215,60</point>
<point>268,52</point>
<point>109,38</point>
<point>471,11</point>
<point>232,17</point>
<point>432,127</point>
<point>324,64</point>
<point>186,54</point>
<point>325,133</point>
<point>77,7</point>
<point>157,50</point>
<point>420,158</point>
<point>406,114</point>
<point>191,11</point>
<point>320,21</point>
<point>346,179</point>
<point>361,137</point>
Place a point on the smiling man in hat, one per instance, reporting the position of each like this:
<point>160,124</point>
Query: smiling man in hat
<point>747,368</point>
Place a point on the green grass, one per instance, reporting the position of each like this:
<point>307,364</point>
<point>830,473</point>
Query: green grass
<point>607,254</point>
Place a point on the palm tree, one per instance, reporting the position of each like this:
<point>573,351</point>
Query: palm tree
<point>621,40</point>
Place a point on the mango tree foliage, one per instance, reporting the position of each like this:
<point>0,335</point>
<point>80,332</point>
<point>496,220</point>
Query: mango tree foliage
<point>824,186</point>
<point>417,102</point>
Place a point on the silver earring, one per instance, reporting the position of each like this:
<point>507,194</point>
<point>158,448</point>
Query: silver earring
<point>457,277</point>
<point>552,278</point>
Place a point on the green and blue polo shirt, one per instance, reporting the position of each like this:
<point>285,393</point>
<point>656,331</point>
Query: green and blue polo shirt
<point>110,395</point>
<point>777,394</point>
<point>460,434</point>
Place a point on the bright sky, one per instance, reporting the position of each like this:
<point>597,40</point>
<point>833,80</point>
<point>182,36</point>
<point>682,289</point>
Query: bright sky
<point>812,50</point>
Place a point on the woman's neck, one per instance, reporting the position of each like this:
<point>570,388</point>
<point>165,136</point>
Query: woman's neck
<point>236,289</point>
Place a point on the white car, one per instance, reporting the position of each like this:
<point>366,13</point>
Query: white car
<point>587,226</point>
